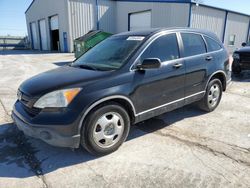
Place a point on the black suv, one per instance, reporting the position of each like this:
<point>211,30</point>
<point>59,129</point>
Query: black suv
<point>241,59</point>
<point>127,78</point>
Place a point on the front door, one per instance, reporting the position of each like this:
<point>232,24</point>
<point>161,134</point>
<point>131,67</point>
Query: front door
<point>159,89</point>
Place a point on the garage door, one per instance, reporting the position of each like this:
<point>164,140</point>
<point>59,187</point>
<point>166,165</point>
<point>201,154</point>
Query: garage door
<point>54,27</point>
<point>43,35</point>
<point>54,23</point>
<point>34,35</point>
<point>140,20</point>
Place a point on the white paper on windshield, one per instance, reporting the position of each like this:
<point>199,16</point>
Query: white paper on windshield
<point>138,38</point>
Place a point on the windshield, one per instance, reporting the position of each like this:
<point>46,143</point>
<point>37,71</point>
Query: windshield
<point>110,54</point>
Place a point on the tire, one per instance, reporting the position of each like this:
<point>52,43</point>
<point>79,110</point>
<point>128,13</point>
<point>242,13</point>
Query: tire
<point>212,97</point>
<point>105,129</point>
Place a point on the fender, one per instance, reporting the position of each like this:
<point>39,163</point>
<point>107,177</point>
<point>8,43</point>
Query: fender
<point>103,100</point>
<point>219,71</point>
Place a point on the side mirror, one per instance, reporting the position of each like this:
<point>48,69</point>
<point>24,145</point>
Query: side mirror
<point>150,63</point>
<point>243,44</point>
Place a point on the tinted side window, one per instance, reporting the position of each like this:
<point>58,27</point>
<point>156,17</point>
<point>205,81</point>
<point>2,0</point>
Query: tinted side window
<point>212,45</point>
<point>165,48</point>
<point>193,44</point>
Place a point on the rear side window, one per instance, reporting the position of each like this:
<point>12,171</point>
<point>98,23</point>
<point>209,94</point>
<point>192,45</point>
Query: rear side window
<point>212,45</point>
<point>165,48</point>
<point>193,44</point>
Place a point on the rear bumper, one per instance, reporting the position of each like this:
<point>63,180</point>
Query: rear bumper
<point>49,134</point>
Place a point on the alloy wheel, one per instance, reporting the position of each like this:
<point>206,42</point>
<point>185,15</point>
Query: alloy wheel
<point>213,95</point>
<point>108,129</point>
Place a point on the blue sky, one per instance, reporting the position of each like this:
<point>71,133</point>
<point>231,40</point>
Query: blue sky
<point>12,17</point>
<point>242,6</point>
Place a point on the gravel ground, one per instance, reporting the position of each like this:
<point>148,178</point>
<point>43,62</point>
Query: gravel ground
<point>183,148</point>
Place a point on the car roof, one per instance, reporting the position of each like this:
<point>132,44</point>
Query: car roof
<point>152,31</point>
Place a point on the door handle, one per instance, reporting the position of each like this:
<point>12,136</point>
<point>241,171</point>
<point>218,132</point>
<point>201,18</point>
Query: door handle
<point>177,65</point>
<point>209,58</point>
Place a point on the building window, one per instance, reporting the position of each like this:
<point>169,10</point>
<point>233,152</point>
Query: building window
<point>231,40</point>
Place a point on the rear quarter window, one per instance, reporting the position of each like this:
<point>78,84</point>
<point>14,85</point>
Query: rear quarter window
<point>193,44</point>
<point>212,45</point>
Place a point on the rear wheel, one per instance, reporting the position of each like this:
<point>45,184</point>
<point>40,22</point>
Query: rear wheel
<point>105,129</point>
<point>212,97</point>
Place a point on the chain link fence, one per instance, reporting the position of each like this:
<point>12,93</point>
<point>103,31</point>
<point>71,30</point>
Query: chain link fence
<point>15,43</point>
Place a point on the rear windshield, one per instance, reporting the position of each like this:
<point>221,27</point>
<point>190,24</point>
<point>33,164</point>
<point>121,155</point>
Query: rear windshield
<point>110,54</point>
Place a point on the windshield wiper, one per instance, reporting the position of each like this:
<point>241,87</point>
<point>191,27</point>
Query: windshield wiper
<point>85,66</point>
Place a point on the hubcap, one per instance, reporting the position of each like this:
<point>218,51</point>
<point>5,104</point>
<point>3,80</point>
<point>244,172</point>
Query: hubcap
<point>108,129</point>
<point>214,95</point>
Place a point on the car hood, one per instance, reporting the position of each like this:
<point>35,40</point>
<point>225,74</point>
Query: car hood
<point>244,50</point>
<point>59,78</point>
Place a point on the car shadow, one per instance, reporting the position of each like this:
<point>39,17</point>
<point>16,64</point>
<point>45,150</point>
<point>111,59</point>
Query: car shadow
<point>22,157</point>
<point>168,119</point>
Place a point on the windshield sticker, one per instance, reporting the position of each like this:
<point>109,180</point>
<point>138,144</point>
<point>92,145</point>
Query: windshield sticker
<point>135,38</point>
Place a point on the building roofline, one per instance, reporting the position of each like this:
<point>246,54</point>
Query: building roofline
<point>158,1</point>
<point>222,9</point>
<point>172,1</point>
<point>29,6</point>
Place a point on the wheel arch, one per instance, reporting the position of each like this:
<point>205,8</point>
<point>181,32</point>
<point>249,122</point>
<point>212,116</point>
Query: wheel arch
<point>221,76</point>
<point>120,99</point>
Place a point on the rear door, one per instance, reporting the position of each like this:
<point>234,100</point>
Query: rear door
<point>163,88</point>
<point>195,57</point>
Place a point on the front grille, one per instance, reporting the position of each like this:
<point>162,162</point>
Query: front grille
<point>245,57</point>
<point>27,104</point>
<point>31,111</point>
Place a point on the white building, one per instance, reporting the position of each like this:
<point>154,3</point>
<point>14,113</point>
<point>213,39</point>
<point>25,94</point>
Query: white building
<point>54,24</point>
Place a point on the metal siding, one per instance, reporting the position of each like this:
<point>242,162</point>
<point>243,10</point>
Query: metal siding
<point>77,17</point>
<point>107,15</point>
<point>236,25</point>
<point>43,9</point>
<point>82,17</point>
<point>163,14</point>
<point>209,19</point>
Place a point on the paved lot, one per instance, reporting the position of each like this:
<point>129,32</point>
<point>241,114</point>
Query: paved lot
<point>183,148</point>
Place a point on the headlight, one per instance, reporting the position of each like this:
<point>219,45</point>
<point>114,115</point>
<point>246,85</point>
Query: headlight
<point>59,98</point>
<point>236,56</point>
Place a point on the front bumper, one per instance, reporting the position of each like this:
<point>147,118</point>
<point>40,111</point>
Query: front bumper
<point>50,134</point>
<point>244,65</point>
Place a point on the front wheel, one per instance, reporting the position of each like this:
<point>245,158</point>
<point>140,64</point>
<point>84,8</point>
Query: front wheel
<point>212,97</point>
<point>105,129</point>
